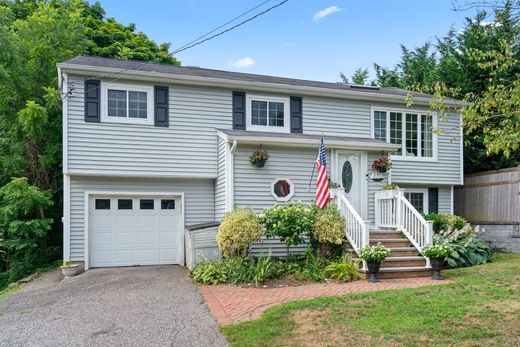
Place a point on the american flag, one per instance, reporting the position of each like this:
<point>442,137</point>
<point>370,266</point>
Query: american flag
<point>322,184</point>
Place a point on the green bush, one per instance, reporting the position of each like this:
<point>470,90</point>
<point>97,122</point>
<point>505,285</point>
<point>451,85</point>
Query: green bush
<point>24,230</point>
<point>238,230</point>
<point>442,222</point>
<point>312,269</point>
<point>328,232</point>
<point>468,249</point>
<point>289,222</point>
<point>343,269</point>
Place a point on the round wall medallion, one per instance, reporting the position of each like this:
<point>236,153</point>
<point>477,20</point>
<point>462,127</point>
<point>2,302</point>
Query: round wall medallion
<point>346,176</point>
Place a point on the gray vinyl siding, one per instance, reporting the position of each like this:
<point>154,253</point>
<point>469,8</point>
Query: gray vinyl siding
<point>445,199</point>
<point>447,170</point>
<point>336,117</point>
<point>220,182</point>
<point>199,200</point>
<point>253,185</point>
<point>373,187</point>
<point>185,149</point>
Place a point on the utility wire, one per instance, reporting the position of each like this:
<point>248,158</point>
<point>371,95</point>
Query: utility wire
<point>231,28</point>
<point>190,44</point>
<point>223,25</point>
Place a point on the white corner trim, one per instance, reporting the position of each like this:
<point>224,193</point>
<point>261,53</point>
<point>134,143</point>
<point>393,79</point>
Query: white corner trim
<point>86,212</point>
<point>461,152</point>
<point>291,191</point>
<point>229,168</point>
<point>65,116</point>
<point>66,218</point>
<point>452,202</point>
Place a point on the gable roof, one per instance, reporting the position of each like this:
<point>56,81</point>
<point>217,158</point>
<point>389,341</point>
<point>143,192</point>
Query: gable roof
<point>132,67</point>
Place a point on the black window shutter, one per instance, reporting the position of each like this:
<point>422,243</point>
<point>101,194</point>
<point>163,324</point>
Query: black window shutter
<point>239,110</point>
<point>433,200</point>
<point>92,101</point>
<point>161,97</point>
<point>296,115</point>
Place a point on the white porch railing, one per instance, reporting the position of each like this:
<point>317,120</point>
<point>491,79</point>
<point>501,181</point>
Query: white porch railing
<point>356,229</point>
<point>394,210</point>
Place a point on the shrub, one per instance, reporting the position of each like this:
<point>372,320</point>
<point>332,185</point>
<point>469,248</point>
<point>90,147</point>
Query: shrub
<point>343,269</point>
<point>238,230</point>
<point>328,231</point>
<point>289,222</point>
<point>443,222</point>
<point>374,253</point>
<point>440,250</point>
<point>313,268</point>
<point>468,249</point>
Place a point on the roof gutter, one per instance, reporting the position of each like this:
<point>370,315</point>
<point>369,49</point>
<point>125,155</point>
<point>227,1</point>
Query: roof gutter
<point>236,84</point>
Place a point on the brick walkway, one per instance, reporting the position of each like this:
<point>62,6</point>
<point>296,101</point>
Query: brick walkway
<point>233,304</point>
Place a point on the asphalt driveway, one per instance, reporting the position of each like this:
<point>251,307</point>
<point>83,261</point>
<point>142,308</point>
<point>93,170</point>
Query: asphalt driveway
<point>136,306</point>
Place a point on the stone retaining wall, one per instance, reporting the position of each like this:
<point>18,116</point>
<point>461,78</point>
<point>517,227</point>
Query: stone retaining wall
<point>500,237</point>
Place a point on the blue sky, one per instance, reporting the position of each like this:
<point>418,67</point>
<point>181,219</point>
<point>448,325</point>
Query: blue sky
<point>292,40</point>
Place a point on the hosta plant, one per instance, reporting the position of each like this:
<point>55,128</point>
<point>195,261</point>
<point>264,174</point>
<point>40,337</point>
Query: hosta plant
<point>375,253</point>
<point>343,269</point>
<point>440,250</point>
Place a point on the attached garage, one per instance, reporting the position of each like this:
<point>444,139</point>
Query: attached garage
<point>128,230</point>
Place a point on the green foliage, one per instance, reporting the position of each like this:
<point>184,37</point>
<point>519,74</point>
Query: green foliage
<point>24,230</point>
<point>313,268</point>
<point>440,250</point>
<point>289,222</point>
<point>328,231</point>
<point>374,253</point>
<point>360,77</point>
<point>468,249</point>
<point>343,269</point>
<point>238,230</point>
<point>443,222</point>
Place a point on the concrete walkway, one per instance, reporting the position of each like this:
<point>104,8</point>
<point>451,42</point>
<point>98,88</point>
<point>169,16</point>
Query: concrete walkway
<point>137,306</point>
<point>233,304</point>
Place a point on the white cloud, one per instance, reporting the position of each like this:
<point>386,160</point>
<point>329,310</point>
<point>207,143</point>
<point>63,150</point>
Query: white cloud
<point>242,63</point>
<point>325,12</point>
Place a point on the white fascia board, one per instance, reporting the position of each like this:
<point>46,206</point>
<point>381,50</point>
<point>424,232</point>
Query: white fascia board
<point>235,84</point>
<point>97,173</point>
<point>311,143</point>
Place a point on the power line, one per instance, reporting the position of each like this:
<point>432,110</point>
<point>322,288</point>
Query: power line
<point>190,44</point>
<point>229,29</point>
<point>223,25</point>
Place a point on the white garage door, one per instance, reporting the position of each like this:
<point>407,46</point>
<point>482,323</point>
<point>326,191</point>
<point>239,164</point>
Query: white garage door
<point>126,231</point>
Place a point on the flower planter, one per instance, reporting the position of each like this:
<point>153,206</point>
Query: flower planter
<point>437,265</point>
<point>381,170</point>
<point>373,269</point>
<point>258,163</point>
<point>70,270</point>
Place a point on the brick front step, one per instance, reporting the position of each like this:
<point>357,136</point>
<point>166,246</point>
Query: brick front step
<point>403,252</point>
<point>404,262</point>
<point>391,243</point>
<point>402,272</point>
<point>386,235</point>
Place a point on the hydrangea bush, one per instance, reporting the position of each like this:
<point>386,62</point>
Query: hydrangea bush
<point>440,250</point>
<point>374,253</point>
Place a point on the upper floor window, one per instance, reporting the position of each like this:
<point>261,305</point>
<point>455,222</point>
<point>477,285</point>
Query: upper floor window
<point>267,113</point>
<point>127,104</point>
<point>413,130</point>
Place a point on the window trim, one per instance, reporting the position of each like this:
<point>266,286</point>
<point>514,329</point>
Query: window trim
<point>424,192</point>
<point>285,198</point>
<point>404,111</point>
<point>268,128</point>
<point>105,118</point>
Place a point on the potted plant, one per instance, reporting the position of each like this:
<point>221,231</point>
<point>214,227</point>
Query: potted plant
<point>374,255</point>
<point>69,269</point>
<point>259,157</point>
<point>382,164</point>
<point>437,254</point>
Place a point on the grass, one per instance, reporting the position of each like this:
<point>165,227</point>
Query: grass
<point>9,290</point>
<point>481,307</point>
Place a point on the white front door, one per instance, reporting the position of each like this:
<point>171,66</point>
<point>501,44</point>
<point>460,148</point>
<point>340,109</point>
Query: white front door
<point>130,230</point>
<point>350,174</point>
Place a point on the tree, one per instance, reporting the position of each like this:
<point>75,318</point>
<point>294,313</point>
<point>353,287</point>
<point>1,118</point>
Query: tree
<point>360,76</point>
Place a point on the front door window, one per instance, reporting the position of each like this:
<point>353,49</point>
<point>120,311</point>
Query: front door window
<point>346,176</point>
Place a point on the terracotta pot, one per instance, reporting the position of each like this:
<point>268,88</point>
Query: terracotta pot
<point>373,269</point>
<point>437,265</point>
<point>259,163</point>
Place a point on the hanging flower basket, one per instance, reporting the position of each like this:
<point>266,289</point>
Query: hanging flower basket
<point>382,164</point>
<point>259,157</point>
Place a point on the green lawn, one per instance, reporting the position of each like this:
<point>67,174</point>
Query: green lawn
<point>481,308</point>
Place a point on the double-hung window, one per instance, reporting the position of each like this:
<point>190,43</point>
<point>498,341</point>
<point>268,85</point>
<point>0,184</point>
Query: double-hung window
<point>268,114</point>
<point>413,130</point>
<point>127,103</point>
<point>418,198</point>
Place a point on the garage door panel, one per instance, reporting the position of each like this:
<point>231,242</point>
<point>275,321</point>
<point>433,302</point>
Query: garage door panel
<point>137,236</point>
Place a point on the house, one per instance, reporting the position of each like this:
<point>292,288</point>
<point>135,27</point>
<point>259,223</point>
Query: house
<point>151,150</point>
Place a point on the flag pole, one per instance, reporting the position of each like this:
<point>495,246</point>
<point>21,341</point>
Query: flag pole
<point>314,167</point>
